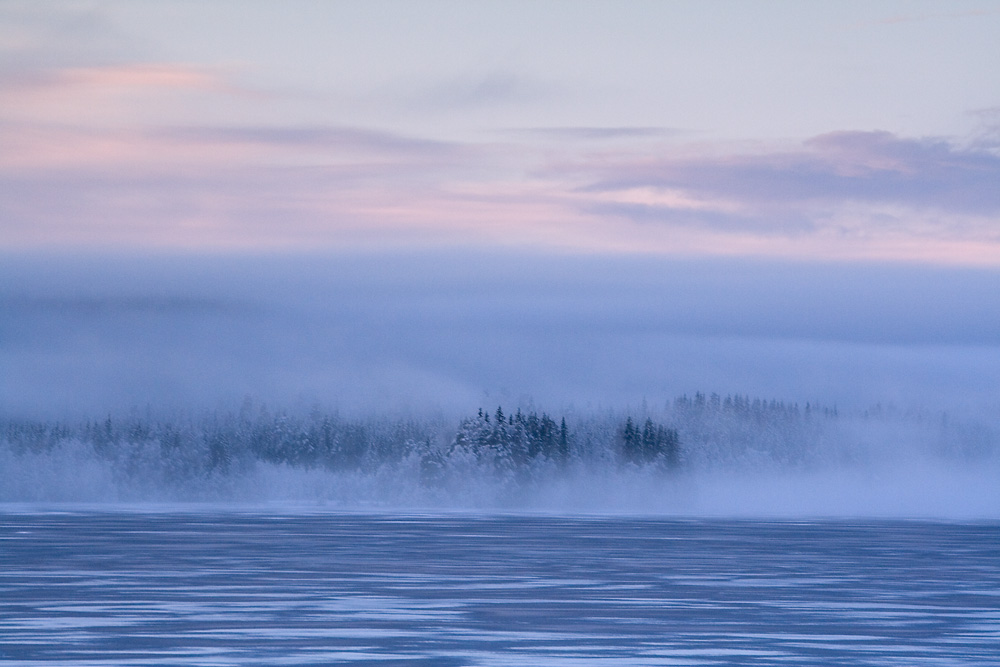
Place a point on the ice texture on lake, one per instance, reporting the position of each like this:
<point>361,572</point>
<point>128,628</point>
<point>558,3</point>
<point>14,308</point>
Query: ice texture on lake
<point>238,588</point>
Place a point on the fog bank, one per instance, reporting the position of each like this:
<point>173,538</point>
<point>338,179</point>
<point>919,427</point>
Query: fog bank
<point>452,330</point>
<point>701,456</point>
<point>877,381</point>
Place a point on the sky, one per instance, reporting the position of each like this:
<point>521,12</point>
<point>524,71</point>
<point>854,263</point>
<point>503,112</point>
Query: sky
<point>448,202</point>
<point>803,130</point>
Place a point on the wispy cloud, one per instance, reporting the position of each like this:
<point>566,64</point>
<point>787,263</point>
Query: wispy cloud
<point>236,187</point>
<point>836,167</point>
<point>900,19</point>
<point>42,35</point>
<point>355,139</point>
<point>595,133</point>
<point>127,172</point>
<point>987,135</point>
<point>117,98</point>
<point>138,76</point>
<point>844,183</point>
<point>497,88</point>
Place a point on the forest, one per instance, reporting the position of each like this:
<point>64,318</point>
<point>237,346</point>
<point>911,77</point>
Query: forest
<point>207,455</point>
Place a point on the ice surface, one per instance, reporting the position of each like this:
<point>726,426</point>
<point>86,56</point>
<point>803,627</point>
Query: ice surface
<point>234,588</point>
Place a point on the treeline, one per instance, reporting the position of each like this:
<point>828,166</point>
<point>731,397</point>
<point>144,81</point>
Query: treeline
<point>230,443</point>
<point>741,431</point>
<point>226,443</point>
<point>652,442</point>
<point>688,433</point>
<point>514,440</point>
<point>753,408</point>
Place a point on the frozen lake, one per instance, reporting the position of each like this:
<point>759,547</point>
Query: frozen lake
<point>237,588</point>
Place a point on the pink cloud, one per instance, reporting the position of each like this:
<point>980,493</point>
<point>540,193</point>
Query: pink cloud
<point>144,76</point>
<point>77,80</point>
<point>116,96</point>
<point>928,187</point>
<point>841,195</point>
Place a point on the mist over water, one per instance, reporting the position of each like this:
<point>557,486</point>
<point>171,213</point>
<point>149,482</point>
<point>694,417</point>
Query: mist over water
<point>907,357</point>
<point>739,458</point>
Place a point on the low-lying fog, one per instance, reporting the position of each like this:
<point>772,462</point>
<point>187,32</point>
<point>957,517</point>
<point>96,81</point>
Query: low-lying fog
<point>435,336</point>
<point>454,331</point>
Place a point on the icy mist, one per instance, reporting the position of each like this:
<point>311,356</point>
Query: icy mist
<point>877,382</point>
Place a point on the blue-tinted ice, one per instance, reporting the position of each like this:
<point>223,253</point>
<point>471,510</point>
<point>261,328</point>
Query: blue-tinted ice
<point>230,588</point>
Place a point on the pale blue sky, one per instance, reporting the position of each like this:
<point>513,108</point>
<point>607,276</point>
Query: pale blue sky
<point>581,126</point>
<point>732,70</point>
